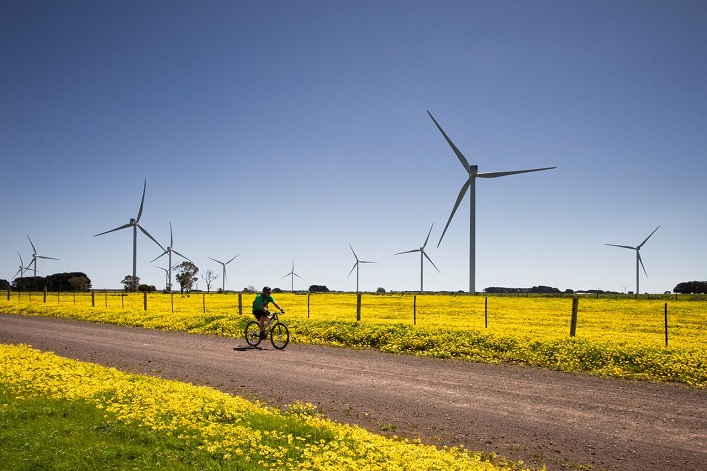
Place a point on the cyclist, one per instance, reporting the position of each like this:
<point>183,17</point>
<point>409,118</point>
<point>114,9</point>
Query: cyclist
<point>260,308</point>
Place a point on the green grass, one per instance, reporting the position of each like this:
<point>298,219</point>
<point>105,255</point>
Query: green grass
<point>57,434</point>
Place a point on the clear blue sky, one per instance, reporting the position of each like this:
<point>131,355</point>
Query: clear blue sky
<point>286,130</point>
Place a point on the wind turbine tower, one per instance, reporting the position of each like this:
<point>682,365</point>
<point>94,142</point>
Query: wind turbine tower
<point>423,255</point>
<point>292,275</point>
<point>135,224</point>
<point>356,266</point>
<point>35,257</point>
<point>223,277</point>
<point>638,256</point>
<point>470,184</point>
<point>22,269</point>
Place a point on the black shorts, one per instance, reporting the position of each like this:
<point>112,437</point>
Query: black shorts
<point>259,314</point>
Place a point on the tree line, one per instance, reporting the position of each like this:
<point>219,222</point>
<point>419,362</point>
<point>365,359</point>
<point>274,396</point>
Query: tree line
<point>74,281</point>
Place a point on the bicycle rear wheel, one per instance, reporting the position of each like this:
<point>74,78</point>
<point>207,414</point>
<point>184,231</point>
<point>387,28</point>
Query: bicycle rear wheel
<point>252,333</point>
<point>280,336</point>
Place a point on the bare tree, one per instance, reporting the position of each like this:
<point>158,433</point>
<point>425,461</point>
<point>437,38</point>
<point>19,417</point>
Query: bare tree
<point>208,277</point>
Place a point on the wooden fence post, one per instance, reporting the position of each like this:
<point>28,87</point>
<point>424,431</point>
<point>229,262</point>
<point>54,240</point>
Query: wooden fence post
<point>573,324</point>
<point>8,294</point>
<point>414,310</point>
<point>45,294</point>
<point>105,296</point>
<point>171,299</point>
<point>240,304</point>
<point>144,300</point>
<point>308,296</point>
<point>486,312</point>
<point>203,301</point>
<point>666,324</point>
<point>93,298</point>
<point>358,307</point>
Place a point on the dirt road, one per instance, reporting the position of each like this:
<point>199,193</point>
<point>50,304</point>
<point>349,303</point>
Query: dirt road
<point>541,417</point>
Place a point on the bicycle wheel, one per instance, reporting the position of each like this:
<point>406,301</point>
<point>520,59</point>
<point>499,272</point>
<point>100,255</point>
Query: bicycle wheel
<point>252,333</point>
<point>280,336</point>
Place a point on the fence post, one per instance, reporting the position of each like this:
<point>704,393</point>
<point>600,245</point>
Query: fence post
<point>203,301</point>
<point>45,294</point>
<point>358,307</point>
<point>144,300</point>
<point>171,299</point>
<point>414,310</point>
<point>105,296</point>
<point>240,304</point>
<point>8,294</point>
<point>93,298</point>
<point>308,296</point>
<point>122,300</point>
<point>666,324</point>
<point>486,312</point>
<point>573,324</point>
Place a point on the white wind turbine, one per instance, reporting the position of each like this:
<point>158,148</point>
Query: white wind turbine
<point>135,224</point>
<point>292,275</point>
<point>168,251</point>
<point>638,256</point>
<point>356,266</point>
<point>166,275</point>
<point>423,255</point>
<point>472,172</point>
<point>35,257</point>
<point>223,277</point>
<point>22,269</point>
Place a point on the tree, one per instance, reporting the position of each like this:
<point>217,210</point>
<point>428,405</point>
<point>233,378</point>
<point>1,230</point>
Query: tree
<point>186,275</point>
<point>318,289</point>
<point>208,277</point>
<point>691,287</point>
<point>131,283</point>
<point>79,283</point>
<point>4,284</point>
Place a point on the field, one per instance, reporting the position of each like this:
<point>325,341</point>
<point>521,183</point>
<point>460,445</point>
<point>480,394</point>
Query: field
<point>617,337</point>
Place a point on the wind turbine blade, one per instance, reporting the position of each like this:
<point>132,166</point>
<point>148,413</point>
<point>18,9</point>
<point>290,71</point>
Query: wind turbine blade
<point>638,254</point>
<point>21,262</point>
<point>30,242</point>
<point>217,261</point>
<point>142,201</point>
<point>352,269</point>
<point>462,193</point>
<point>355,256</point>
<point>408,251</point>
<point>18,271</point>
<point>171,239</point>
<point>48,258</point>
<point>124,226</point>
<point>460,156</point>
<point>286,275</point>
<point>648,237</point>
<point>161,255</point>
<point>622,246</point>
<point>186,258</point>
<point>363,261</point>
<point>512,172</point>
<point>428,237</point>
<point>430,260</point>
<point>298,276</point>
<point>148,235</point>
<point>231,260</point>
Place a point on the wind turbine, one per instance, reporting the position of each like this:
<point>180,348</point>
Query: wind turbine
<point>223,277</point>
<point>135,224</point>
<point>22,269</point>
<point>35,257</point>
<point>292,275</point>
<point>472,172</point>
<point>356,266</point>
<point>423,255</point>
<point>166,274</point>
<point>638,256</point>
<point>169,251</point>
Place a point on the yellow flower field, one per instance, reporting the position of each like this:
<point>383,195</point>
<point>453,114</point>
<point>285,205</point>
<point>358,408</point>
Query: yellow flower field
<point>236,430</point>
<point>620,337</point>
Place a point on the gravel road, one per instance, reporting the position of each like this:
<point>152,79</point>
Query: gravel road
<point>564,421</point>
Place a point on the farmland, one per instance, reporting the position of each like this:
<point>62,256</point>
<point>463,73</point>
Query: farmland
<point>615,337</point>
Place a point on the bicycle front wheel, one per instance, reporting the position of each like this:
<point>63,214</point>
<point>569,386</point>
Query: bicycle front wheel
<point>280,336</point>
<point>252,333</point>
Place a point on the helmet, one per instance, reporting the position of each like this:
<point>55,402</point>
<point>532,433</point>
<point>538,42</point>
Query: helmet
<point>266,289</point>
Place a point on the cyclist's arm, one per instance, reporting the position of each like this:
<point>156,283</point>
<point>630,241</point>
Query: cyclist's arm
<point>278,306</point>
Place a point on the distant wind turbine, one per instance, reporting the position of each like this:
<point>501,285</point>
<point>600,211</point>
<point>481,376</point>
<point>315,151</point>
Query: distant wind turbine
<point>35,257</point>
<point>135,224</point>
<point>356,266</point>
<point>166,275</point>
<point>423,255</point>
<point>292,275</point>
<point>638,256</point>
<point>223,277</point>
<point>472,172</point>
<point>22,269</point>
<point>168,251</point>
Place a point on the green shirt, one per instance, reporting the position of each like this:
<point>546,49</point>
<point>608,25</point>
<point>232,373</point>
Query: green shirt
<point>261,302</point>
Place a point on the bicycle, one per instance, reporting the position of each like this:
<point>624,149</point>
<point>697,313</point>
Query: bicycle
<point>276,329</point>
